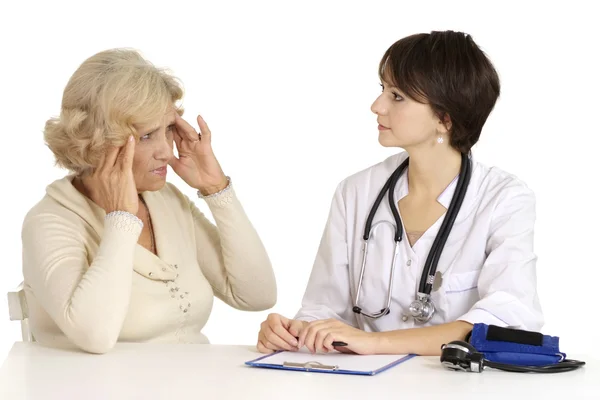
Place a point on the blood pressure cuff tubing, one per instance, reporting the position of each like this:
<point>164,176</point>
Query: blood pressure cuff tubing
<point>515,347</point>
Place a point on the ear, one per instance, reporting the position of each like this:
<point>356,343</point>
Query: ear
<point>445,123</point>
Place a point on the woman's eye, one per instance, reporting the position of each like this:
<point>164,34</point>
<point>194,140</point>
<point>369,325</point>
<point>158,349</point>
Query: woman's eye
<point>397,97</point>
<point>145,137</point>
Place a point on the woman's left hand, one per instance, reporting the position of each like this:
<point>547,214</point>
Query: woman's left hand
<point>318,336</point>
<point>197,164</point>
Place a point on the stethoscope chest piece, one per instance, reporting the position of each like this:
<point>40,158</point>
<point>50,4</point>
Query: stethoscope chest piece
<point>422,308</point>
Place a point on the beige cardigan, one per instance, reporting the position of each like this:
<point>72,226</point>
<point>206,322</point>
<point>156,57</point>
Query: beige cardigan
<point>89,284</point>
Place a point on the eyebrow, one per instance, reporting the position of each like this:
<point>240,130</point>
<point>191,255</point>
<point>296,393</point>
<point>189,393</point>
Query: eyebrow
<point>172,122</point>
<point>392,86</point>
<point>388,84</point>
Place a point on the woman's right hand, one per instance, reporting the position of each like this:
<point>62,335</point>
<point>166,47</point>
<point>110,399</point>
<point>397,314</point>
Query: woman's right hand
<point>279,333</point>
<point>111,185</point>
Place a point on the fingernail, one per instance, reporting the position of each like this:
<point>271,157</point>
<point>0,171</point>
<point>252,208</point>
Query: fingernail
<point>131,138</point>
<point>294,343</point>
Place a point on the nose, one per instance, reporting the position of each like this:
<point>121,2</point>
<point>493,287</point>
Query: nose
<point>164,152</point>
<point>378,107</point>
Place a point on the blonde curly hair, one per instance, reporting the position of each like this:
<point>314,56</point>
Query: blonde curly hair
<point>107,95</point>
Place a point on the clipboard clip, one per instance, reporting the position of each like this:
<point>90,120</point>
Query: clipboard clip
<point>311,365</point>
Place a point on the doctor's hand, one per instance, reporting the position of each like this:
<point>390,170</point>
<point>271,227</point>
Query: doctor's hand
<point>197,165</point>
<point>318,336</point>
<point>279,333</point>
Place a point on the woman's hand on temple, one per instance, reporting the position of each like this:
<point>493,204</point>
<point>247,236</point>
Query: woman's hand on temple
<point>197,164</point>
<point>111,185</point>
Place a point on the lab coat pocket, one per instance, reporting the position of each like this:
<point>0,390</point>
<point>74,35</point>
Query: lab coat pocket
<point>461,282</point>
<point>460,293</point>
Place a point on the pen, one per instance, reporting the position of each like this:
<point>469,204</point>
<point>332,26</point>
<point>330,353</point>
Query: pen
<point>337,344</point>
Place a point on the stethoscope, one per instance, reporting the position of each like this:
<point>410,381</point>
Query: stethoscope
<point>422,308</point>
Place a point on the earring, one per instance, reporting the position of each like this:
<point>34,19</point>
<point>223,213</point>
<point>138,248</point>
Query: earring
<point>440,140</point>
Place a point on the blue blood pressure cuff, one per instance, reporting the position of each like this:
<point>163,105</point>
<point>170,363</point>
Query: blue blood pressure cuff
<point>515,347</point>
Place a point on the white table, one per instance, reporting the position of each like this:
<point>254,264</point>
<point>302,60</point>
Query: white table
<point>150,371</point>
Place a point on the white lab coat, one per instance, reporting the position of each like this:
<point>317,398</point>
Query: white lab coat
<point>488,264</point>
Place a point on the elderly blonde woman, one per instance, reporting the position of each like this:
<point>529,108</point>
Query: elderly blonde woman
<point>113,252</point>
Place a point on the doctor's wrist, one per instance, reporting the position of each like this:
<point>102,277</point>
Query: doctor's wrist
<point>375,342</point>
<point>390,342</point>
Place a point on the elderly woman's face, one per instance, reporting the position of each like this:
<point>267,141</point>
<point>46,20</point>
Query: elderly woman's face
<point>152,154</point>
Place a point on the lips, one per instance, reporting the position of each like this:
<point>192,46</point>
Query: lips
<point>382,127</point>
<point>162,171</point>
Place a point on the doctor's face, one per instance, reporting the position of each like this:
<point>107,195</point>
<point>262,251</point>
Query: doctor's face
<point>404,122</point>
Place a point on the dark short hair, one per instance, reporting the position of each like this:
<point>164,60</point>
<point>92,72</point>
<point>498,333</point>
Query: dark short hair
<point>448,71</point>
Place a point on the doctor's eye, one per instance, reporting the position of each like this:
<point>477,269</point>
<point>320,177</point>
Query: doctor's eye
<point>397,97</point>
<point>145,137</point>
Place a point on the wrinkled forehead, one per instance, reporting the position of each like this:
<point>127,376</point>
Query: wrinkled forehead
<point>168,118</point>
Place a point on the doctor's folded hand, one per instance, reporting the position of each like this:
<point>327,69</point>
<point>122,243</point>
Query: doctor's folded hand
<point>319,337</point>
<point>279,333</point>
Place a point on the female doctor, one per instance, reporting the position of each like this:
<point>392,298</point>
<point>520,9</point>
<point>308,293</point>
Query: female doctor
<point>453,244</point>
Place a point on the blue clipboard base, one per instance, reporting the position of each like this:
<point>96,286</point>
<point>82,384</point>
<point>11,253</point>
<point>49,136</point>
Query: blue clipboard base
<point>318,367</point>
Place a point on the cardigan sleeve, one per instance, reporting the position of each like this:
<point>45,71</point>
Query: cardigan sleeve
<point>232,255</point>
<point>88,301</point>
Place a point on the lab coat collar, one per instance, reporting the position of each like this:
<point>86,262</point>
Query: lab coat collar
<point>444,198</point>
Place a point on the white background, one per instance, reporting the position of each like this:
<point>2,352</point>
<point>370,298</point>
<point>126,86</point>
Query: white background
<point>286,89</point>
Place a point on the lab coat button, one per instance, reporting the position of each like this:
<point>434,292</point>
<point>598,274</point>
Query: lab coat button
<point>409,262</point>
<point>404,318</point>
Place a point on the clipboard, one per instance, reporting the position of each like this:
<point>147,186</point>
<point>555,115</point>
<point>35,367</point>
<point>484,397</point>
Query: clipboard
<point>332,363</point>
